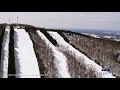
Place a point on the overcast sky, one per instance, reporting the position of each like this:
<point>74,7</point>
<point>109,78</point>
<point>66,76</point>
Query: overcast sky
<point>83,20</point>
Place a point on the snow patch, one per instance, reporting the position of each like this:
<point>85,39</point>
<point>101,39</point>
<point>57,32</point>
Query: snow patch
<point>108,37</point>
<point>59,61</point>
<point>92,35</point>
<point>116,39</point>
<point>25,59</point>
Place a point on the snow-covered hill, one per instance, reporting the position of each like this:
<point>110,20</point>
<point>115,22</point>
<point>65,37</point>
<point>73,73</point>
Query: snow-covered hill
<point>40,53</point>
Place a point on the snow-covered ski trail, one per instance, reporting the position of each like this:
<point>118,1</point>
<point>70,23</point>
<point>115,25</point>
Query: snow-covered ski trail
<point>5,54</point>
<point>89,63</point>
<point>59,58</point>
<point>25,59</point>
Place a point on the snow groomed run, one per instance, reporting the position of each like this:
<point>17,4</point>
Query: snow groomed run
<point>5,54</point>
<point>26,63</point>
<point>89,63</point>
<point>59,59</point>
<point>25,59</point>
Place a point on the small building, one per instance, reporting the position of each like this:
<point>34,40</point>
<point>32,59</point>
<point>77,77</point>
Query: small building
<point>7,27</point>
<point>22,27</point>
<point>19,27</point>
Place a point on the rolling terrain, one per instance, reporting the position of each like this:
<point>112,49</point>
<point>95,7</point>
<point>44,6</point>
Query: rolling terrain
<point>33,52</point>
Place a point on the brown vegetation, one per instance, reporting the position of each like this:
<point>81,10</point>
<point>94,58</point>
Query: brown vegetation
<point>77,68</point>
<point>44,56</point>
<point>101,50</point>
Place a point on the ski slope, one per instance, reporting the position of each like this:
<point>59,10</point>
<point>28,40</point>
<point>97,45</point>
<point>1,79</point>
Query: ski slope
<point>59,58</point>
<point>89,63</point>
<point>25,59</point>
<point>5,54</point>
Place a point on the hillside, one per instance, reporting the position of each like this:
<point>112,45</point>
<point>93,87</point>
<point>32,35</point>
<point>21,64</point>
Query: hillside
<point>32,52</point>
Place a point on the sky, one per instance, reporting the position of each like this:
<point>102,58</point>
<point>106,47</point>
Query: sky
<point>82,20</point>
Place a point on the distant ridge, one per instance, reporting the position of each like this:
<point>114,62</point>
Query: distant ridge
<point>86,30</point>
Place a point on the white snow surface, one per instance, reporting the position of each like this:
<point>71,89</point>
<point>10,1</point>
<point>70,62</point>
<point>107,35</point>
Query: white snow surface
<point>60,60</point>
<point>92,35</point>
<point>25,59</point>
<point>109,37</point>
<point>116,39</point>
<point>5,54</point>
<point>89,63</point>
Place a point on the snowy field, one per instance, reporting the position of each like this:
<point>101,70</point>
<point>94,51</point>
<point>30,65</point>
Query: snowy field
<point>60,60</point>
<point>89,63</point>
<point>92,35</point>
<point>25,59</point>
<point>5,54</point>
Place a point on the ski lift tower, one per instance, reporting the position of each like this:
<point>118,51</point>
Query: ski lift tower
<point>9,21</point>
<point>17,23</point>
<point>17,20</point>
